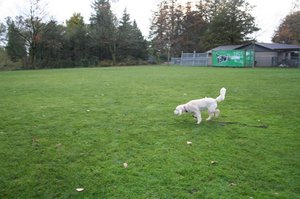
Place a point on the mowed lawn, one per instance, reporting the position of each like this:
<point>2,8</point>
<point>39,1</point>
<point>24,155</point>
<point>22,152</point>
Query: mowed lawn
<point>75,128</point>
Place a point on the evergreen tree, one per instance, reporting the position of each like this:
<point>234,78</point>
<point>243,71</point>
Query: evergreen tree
<point>2,33</point>
<point>51,49</point>
<point>139,43</point>
<point>131,43</point>
<point>76,40</point>
<point>124,37</point>
<point>103,30</point>
<point>15,47</point>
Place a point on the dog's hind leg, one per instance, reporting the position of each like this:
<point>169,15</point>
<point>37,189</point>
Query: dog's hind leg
<point>209,117</point>
<point>217,113</point>
<point>211,114</point>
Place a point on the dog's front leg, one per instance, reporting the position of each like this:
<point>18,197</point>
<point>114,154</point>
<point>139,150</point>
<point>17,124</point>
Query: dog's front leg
<point>198,117</point>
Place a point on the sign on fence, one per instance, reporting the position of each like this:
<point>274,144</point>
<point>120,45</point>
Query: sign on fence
<point>232,58</point>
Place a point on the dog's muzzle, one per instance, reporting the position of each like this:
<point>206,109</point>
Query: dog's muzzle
<point>177,112</point>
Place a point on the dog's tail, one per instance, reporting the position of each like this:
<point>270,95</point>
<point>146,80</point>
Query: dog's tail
<point>221,97</point>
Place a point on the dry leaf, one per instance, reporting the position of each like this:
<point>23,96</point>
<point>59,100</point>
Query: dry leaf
<point>80,189</point>
<point>213,162</point>
<point>232,184</point>
<point>125,165</point>
<point>58,145</point>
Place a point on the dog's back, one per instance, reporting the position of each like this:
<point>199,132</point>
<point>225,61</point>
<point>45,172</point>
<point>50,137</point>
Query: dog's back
<point>204,103</point>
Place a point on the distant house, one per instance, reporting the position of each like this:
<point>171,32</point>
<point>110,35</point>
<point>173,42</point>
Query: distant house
<point>268,54</point>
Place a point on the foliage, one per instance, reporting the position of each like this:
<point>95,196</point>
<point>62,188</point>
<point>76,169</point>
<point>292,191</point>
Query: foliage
<point>289,30</point>
<point>230,22</point>
<point>194,26</point>
<point>65,129</point>
<point>15,47</point>
<point>41,43</point>
<point>131,42</point>
<point>76,39</point>
<point>213,23</point>
<point>103,29</point>
<point>5,61</point>
<point>31,26</point>
<point>2,33</point>
<point>166,27</point>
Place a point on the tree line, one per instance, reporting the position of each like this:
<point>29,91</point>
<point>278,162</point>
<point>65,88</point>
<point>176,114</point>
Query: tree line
<point>33,42</point>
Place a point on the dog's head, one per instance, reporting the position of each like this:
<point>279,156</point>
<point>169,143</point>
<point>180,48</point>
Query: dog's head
<point>179,110</point>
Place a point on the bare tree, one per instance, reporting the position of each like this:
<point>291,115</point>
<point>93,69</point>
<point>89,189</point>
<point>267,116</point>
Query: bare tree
<point>31,25</point>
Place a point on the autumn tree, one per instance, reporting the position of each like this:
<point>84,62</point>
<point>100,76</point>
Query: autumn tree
<point>289,30</point>
<point>212,23</point>
<point>159,30</point>
<point>31,25</point>
<point>230,22</point>
<point>166,27</point>
<point>193,28</point>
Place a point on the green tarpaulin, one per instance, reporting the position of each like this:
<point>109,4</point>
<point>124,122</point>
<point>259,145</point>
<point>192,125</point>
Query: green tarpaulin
<point>232,58</point>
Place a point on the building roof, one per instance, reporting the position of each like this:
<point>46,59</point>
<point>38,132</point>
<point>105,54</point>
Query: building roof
<point>227,47</point>
<point>270,46</point>
<point>277,46</point>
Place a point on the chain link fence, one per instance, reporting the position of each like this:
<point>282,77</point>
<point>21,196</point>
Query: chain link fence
<point>261,60</point>
<point>191,59</point>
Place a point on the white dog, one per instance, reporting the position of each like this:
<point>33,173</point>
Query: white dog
<point>196,106</point>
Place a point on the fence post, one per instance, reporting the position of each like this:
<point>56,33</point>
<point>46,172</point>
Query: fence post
<point>194,57</point>
<point>181,57</point>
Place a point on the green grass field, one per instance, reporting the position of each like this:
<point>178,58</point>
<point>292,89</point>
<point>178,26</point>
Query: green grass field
<point>70,128</point>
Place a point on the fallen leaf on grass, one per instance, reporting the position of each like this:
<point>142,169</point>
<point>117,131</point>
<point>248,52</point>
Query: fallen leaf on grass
<point>213,162</point>
<point>35,141</point>
<point>232,184</point>
<point>80,189</point>
<point>58,145</point>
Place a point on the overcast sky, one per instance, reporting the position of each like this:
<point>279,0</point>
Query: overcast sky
<point>268,13</point>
